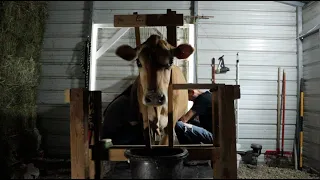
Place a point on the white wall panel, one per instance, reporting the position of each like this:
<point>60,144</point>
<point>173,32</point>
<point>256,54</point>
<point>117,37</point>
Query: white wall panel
<point>311,16</point>
<point>264,34</point>
<point>311,75</point>
<point>65,31</point>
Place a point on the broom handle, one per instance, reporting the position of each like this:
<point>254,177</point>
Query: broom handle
<point>301,122</point>
<point>283,107</point>
<point>278,111</point>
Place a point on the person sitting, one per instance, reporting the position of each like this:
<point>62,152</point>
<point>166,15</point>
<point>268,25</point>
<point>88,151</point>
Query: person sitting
<point>195,127</point>
<point>188,129</point>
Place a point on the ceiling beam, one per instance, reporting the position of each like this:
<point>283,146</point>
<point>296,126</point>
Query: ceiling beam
<point>292,3</point>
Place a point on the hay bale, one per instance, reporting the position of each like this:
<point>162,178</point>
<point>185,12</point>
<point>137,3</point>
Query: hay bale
<point>22,29</point>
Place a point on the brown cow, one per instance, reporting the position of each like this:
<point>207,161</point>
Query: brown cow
<point>155,62</point>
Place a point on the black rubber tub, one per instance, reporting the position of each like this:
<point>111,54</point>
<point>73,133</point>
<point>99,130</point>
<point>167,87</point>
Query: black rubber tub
<point>156,163</point>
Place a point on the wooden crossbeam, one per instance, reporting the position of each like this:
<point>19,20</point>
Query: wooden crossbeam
<point>207,86</point>
<point>143,20</point>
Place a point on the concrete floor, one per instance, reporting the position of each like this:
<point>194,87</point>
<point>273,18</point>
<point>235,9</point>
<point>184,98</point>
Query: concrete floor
<point>122,171</point>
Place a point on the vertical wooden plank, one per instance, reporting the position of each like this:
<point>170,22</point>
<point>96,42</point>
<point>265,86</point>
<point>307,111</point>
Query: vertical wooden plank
<point>217,130</point>
<point>172,31</point>
<point>95,99</point>
<point>170,115</point>
<point>227,122</point>
<point>172,39</point>
<point>137,33</point>
<point>79,146</point>
<point>215,117</point>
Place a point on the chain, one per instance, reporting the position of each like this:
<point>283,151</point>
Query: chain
<point>85,61</point>
<point>85,65</point>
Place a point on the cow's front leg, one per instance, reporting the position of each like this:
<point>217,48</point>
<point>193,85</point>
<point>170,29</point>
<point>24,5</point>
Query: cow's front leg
<point>164,139</point>
<point>146,133</point>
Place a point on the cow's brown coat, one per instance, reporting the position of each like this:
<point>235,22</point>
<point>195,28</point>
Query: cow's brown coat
<point>155,58</point>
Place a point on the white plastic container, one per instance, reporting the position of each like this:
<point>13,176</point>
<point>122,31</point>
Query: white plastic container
<point>238,146</point>
<point>238,160</point>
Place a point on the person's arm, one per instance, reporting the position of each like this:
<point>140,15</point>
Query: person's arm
<point>185,118</point>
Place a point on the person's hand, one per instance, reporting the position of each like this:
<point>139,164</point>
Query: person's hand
<point>184,119</point>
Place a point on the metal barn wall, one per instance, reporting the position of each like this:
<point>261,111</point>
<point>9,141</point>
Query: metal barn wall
<point>113,73</point>
<point>311,74</point>
<point>66,29</point>
<point>263,32</point>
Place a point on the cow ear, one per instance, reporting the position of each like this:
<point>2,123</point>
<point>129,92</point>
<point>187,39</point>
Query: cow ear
<point>183,51</point>
<point>126,52</point>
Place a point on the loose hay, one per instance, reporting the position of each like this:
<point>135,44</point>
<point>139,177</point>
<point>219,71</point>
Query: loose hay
<point>265,172</point>
<point>22,28</point>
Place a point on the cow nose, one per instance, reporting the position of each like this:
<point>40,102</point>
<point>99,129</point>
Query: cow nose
<point>153,98</point>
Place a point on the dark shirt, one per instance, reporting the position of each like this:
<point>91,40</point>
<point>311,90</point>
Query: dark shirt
<point>202,106</point>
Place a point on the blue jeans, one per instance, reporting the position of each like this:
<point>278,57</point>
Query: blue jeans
<point>193,135</point>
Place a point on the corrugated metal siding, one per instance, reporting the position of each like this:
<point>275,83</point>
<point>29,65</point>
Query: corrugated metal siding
<point>263,32</point>
<point>66,29</point>
<point>311,74</point>
<point>113,73</point>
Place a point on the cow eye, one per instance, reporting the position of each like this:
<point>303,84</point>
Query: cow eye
<point>139,63</point>
<point>168,66</point>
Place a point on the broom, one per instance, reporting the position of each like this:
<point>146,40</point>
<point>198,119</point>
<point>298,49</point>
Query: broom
<point>282,158</point>
<point>271,155</point>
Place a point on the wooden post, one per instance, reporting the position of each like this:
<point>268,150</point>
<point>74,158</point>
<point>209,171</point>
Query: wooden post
<point>79,145</point>
<point>172,39</point>
<point>172,31</point>
<point>228,158</point>
<point>137,33</point>
<point>96,113</point>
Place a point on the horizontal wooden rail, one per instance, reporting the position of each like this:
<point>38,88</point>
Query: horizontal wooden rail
<point>143,20</point>
<point>212,87</point>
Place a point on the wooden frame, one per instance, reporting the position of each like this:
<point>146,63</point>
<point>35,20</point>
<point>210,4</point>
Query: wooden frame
<point>86,155</point>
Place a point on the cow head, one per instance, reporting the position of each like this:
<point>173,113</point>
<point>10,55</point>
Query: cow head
<point>154,59</point>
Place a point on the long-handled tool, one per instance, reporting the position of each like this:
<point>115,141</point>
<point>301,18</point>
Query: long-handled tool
<point>237,101</point>
<point>278,112</point>
<point>270,156</point>
<point>283,109</point>
<point>301,122</point>
<point>279,157</point>
<point>285,156</point>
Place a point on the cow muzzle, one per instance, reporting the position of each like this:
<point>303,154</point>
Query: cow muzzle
<point>154,98</point>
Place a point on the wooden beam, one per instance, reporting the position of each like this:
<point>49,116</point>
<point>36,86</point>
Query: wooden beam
<point>194,86</point>
<point>96,118</point>
<point>79,145</point>
<point>206,86</point>
<point>107,45</point>
<point>172,30</point>
<point>143,20</point>
<point>228,158</point>
<point>137,33</point>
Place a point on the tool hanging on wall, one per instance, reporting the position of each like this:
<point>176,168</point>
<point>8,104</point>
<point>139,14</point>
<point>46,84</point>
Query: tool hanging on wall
<point>221,69</point>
